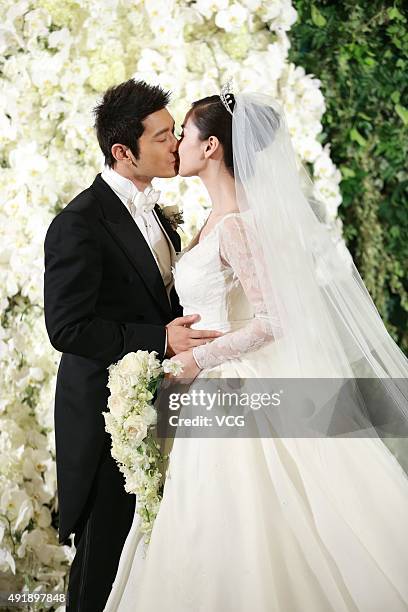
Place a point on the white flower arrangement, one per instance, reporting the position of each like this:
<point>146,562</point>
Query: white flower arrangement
<point>133,382</point>
<point>56,59</point>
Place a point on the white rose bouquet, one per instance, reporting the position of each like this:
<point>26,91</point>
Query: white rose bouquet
<point>130,421</point>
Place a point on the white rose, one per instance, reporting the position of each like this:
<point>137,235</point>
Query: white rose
<point>133,363</point>
<point>149,415</point>
<point>118,405</point>
<point>116,383</point>
<point>135,428</point>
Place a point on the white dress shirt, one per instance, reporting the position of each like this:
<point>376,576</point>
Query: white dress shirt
<point>152,230</point>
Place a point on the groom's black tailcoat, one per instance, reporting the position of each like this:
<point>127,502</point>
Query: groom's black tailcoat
<point>104,297</point>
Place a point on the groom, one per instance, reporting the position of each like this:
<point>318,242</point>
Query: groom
<point>109,291</point>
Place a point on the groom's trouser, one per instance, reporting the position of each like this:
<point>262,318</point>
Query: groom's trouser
<point>99,538</point>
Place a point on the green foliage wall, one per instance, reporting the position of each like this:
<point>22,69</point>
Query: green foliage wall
<point>359,50</point>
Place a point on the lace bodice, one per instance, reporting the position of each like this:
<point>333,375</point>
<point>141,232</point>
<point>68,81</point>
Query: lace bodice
<point>217,279</point>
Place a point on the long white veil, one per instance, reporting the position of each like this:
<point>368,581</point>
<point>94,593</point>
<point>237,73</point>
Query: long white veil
<point>327,325</point>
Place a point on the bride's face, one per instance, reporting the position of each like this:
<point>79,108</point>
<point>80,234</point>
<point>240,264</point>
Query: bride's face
<point>191,150</point>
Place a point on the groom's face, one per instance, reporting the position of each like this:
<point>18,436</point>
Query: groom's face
<point>158,146</point>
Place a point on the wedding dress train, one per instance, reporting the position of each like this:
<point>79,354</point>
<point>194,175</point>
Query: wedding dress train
<point>268,524</point>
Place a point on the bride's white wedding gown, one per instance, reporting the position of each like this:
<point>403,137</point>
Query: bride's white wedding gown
<point>264,525</point>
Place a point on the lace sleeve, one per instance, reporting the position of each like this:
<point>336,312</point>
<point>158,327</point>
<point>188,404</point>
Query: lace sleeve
<point>236,253</point>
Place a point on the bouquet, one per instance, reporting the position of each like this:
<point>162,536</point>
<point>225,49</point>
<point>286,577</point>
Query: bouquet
<point>130,421</point>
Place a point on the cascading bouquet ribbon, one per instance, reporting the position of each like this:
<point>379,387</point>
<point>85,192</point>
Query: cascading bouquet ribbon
<point>132,382</point>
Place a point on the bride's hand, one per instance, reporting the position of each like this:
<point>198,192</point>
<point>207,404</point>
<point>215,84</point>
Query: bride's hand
<point>190,368</point>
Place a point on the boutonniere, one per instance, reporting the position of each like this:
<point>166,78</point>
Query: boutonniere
<point>173,215</point>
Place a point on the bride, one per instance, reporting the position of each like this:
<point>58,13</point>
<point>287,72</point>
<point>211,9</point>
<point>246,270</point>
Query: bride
<point>279,522</point>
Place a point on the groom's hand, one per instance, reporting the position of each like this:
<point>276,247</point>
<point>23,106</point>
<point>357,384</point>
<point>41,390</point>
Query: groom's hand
<point>181,338</point>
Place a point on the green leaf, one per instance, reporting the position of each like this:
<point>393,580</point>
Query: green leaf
<point>395,96</point>
<point>318,19</point>
<point>369,98</point>
<point>347,172</point>
<point>370,62</point>
<point>402,112</point>
<point>393,13</point>
<point>357,137</point>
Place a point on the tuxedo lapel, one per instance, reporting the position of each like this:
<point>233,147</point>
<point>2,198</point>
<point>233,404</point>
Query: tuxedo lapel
<point>120,224</point>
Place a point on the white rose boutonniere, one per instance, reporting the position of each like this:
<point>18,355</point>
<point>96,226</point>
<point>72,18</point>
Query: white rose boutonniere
<point>173,214</point>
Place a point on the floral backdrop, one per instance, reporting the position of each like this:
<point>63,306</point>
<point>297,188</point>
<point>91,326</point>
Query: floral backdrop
<point>56,60</point>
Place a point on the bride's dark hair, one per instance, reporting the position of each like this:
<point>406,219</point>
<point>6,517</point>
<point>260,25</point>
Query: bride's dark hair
<point>212,119</point>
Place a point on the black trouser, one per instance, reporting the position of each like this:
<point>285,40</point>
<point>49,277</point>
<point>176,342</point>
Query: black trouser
<point>99,539</point>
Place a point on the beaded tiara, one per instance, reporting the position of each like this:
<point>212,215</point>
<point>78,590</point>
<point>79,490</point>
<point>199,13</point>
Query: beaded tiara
<point>226,95</point>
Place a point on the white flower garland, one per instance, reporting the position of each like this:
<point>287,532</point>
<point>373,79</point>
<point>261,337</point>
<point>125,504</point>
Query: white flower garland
<point>56,59</point>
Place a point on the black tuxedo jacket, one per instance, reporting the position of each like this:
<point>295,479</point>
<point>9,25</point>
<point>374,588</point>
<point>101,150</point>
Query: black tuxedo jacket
<point>104,297</point>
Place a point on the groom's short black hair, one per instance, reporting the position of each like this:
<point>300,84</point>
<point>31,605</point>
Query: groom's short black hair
<point>119,116</point>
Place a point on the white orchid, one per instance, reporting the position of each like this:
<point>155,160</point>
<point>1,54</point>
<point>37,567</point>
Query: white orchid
<point>208,7</point>
<point>231,18</point>
<point>6,561</point>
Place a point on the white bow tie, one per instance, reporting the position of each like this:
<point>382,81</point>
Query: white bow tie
<point>143,201</point>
